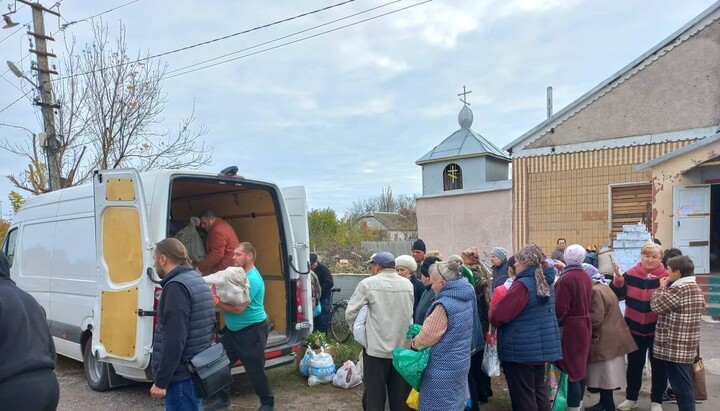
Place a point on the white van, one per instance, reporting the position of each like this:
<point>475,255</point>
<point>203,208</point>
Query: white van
<point>85,253</point>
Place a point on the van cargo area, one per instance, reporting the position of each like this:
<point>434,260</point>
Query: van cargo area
<point>252,211</point>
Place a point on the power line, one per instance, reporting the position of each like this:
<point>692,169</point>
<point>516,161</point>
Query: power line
<point>13,103</point>
<point>67,23</point>
<point>22,26</point>
<point>283,37</point>
<point>296,41</point>
<point>203,43</point>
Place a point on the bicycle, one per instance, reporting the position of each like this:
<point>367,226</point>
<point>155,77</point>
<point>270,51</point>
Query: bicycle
<point>339,329</point>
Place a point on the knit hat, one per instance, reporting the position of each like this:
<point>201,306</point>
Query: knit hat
<point>500,253</point>
<point>425,266</point>
<point>575,254</point>
<point>313,258</point>
<point>406,261</point>
<point>419,245</point>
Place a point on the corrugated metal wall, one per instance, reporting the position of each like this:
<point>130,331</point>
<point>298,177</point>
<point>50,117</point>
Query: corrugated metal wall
<point>566,195</point>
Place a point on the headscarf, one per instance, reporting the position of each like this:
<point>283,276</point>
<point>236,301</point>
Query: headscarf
<point>472,254</point>
<point>593,272</point>
<point>531,256</point>
<point>575,254</point>
<point>500,253</point>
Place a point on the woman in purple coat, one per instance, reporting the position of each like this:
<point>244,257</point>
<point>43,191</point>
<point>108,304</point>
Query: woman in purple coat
<point>573,295</point>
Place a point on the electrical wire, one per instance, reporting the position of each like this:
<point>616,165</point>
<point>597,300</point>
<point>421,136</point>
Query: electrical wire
<point>68,23</point>
<point>22,26</point>
<point>14,102</point>
<point>294,41</point>
<point>204,43</point>
<point>283,37</point>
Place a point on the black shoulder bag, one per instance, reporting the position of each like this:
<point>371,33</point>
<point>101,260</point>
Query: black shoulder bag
<point>210,370</point>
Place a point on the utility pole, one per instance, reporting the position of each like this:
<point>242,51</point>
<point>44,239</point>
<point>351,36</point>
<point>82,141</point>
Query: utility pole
<point>46,102</point>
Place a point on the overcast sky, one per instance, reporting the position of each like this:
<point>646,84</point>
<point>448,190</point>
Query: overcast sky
<point>350,112</point>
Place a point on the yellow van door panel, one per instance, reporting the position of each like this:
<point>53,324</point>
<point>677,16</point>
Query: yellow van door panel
<point>118,324</point>
<point>122,244</point>
<point>120,189</point>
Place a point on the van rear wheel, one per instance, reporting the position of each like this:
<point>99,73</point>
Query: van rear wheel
<point>97,373</point>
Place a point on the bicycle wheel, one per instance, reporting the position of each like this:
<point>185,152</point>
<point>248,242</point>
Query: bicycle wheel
<point>339,328</point>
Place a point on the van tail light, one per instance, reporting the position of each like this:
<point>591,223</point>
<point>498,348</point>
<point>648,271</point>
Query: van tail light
<point>156,304</point>
<point>298,301</point>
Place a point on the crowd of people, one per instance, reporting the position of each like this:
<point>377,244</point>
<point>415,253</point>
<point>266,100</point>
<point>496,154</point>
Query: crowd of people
<point>560,311</point>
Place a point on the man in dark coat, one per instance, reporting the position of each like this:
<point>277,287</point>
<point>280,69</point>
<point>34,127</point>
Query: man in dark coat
<point>326,285</point>
<point>418,252</point>
<point>27,351</point>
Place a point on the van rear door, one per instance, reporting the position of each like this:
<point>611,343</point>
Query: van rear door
<point>121,333</point>
<point>295,203</point>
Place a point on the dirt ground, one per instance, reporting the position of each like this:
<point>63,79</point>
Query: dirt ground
<point>291,393</point>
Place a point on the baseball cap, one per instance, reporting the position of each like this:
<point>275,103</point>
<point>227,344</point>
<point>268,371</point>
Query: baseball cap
<point>383,259</point>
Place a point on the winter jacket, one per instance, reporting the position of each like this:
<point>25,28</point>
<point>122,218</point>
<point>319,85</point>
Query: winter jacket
<point>573,293</point>
<point>533,335</point>
<point>424,304</point>
<point>25,341</point>
<point>611,337</point>
<point>389,298</point>
<point>679,307</point>
<point>186,324</point>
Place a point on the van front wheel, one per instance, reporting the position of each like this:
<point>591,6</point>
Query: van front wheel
<point>97,373</point>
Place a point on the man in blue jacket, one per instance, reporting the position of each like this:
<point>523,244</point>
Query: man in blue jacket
<point>186,325</point>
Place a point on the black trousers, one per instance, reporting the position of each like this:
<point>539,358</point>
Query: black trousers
<point>381,379</point>
<point>248,346</point>
<point>636,363</point>
<point>526,384</point>
<point>483,386</point>
<point>32,391</point>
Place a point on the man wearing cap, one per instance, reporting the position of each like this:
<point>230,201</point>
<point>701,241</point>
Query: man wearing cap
<point>326,285</point>
<point>389,299</point>
<point>418,253</point>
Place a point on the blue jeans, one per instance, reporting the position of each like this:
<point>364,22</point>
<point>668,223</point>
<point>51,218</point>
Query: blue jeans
<point>323,320</point>
<point>680,376</point>
<point>182,396</point>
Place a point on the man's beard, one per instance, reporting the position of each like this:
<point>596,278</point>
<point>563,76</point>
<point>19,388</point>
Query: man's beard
<point>160,272</point>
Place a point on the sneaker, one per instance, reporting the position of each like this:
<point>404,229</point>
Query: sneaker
<point>655,406</point>
<point>669,397</point>
<point>627,405</point>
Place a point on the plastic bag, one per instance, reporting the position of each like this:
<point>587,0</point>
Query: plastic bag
<point>413,400</point>
<point>318,309</point>
<point>321,368</point>
<point>413,330</point>
<point>359,333</point>
<point>305,363</point>
<point>557,380</point>
<point>347,376</point>
<point>491,361</point>
<point>192,241</point>
<point>411,364</point>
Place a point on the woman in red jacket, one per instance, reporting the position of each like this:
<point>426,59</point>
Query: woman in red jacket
<point>573,293</point>
<point>637,287</point>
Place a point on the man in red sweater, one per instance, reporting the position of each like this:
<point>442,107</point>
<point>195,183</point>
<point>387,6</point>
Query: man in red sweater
<point>220,245</point>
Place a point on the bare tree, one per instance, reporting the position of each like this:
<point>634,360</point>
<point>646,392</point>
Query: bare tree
<point>111,105</point>
<point>386,201</point>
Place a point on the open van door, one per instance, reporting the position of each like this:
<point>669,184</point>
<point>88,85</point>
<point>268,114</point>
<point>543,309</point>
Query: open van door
<point>691,224</point>
<point>295,203</point>
<point>121,333</point>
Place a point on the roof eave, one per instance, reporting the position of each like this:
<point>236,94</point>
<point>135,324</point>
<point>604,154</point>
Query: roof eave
<point>638,61</point>
<point>686,149</point>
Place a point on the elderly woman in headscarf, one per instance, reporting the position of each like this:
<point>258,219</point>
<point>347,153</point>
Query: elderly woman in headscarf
<point>448,329</point>
<point>498,260</point>
<point>528,334</point>
<point>573,293</point>
<point>471,260</point>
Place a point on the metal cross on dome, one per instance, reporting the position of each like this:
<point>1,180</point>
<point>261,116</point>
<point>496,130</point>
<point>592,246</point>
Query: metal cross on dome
<point>464,96</point>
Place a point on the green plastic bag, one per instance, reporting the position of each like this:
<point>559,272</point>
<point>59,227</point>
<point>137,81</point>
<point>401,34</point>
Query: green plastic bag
<point>411,364</point>
<point>559,403</point>
<point>413,330</point>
